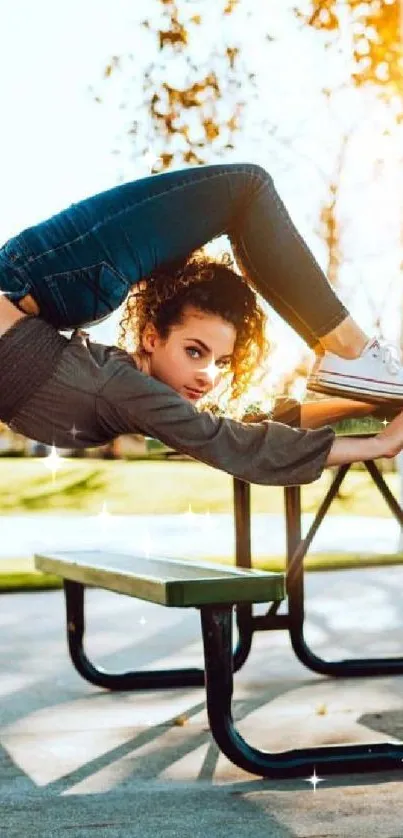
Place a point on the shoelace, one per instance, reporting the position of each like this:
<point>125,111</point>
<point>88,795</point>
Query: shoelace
<point>390,356</point>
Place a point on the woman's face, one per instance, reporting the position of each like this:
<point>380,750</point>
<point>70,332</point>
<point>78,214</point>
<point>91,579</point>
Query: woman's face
<point>195,354</point>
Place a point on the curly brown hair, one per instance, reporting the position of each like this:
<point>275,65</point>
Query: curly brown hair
<point>210,285</point>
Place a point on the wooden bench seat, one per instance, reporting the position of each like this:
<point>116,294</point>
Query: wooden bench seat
<point>214,590</point>
<point>170,582</point>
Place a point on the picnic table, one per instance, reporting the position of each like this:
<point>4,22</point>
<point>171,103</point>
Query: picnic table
<point>216,592</point>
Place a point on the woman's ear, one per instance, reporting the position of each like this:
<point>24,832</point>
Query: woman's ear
<point>149,337</point>
<point>143,361</point>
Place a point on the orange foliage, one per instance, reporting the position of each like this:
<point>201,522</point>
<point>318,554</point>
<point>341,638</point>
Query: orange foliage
<point>376,37</point>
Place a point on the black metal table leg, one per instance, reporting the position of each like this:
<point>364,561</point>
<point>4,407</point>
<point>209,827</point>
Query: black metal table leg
<point>383,487</point>
<point>247,622</point>
<point>243,558</point>
<point>153,679</point>
<point>296,551</point>
<point>334,759</point>
<point>149,679</point>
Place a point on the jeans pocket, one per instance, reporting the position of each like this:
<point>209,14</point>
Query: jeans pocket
<point>11,253</point>
<point>81,297</point>
<point>14,282</point>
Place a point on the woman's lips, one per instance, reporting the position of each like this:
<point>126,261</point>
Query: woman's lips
<point>194,394</point>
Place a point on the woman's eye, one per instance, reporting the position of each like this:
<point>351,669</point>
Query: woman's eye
<point>221,365</point>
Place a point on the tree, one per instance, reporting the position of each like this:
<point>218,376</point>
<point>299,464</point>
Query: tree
<point>374,31</point>
<point>189,98</point>
<point>369,35</point>
<point>192,91</point>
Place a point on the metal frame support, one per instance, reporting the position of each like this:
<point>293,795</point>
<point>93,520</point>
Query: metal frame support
<point>149,679</point>
<point>296,550</point>
<point>326,759</point>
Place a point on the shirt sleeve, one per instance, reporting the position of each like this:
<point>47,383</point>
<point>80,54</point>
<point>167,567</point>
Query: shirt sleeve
<point>265,452</point>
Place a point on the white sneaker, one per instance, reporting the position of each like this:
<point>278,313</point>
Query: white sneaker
<point>375,376</point>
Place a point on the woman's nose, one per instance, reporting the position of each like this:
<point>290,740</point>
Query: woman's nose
<point>206,379</point>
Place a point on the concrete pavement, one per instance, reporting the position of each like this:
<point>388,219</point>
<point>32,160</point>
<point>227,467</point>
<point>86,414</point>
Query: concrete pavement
<point>192,535</point>
<point>78,761</point>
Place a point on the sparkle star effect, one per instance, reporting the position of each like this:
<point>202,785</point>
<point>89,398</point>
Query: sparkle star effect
<point>74,431</point>
<point>104,511</point>
<point>314,780</point>
<point>202,521</point>
<point>190,516</point>
<point>207,522</point>
<point>212,370</point>
<point>104,517</point>
<point>105,527</point>
<point>53,462</point>
<point>147,545</point>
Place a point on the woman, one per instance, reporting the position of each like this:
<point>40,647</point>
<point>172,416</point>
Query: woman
<point>78,266</point>
<point>189,328</point>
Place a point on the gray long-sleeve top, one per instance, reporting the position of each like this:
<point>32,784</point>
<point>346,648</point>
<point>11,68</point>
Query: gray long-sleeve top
<point>93,393</point>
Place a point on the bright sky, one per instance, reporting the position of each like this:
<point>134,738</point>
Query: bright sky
<point>56,143</point>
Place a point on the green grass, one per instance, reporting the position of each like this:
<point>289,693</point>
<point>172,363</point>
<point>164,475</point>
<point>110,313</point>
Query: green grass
<point>159,486</point>
<point>21,576</point>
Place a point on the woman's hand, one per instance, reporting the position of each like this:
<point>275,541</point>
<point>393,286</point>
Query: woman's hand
<point>356,449</point>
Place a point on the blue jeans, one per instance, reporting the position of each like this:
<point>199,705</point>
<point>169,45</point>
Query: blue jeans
<point>80,264</point>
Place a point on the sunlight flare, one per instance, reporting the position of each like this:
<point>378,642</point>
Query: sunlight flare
<point>314,779</point>
<point>53,462</point>
<point>212,370</point>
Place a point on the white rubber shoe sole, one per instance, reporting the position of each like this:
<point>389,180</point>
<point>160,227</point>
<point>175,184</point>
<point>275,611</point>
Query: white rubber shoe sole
<point>352,389</point>
<point>376,376</point>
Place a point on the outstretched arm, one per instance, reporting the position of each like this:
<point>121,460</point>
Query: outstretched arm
<point>265,452</point>
<point>347,449</point>
<point>351,449</point>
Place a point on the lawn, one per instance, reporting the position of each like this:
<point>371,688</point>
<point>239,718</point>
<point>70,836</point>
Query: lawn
<point>146,487</point>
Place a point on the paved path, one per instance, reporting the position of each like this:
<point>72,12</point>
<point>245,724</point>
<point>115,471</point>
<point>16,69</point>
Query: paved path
<point>76,761</point>
<point>191,535</point>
